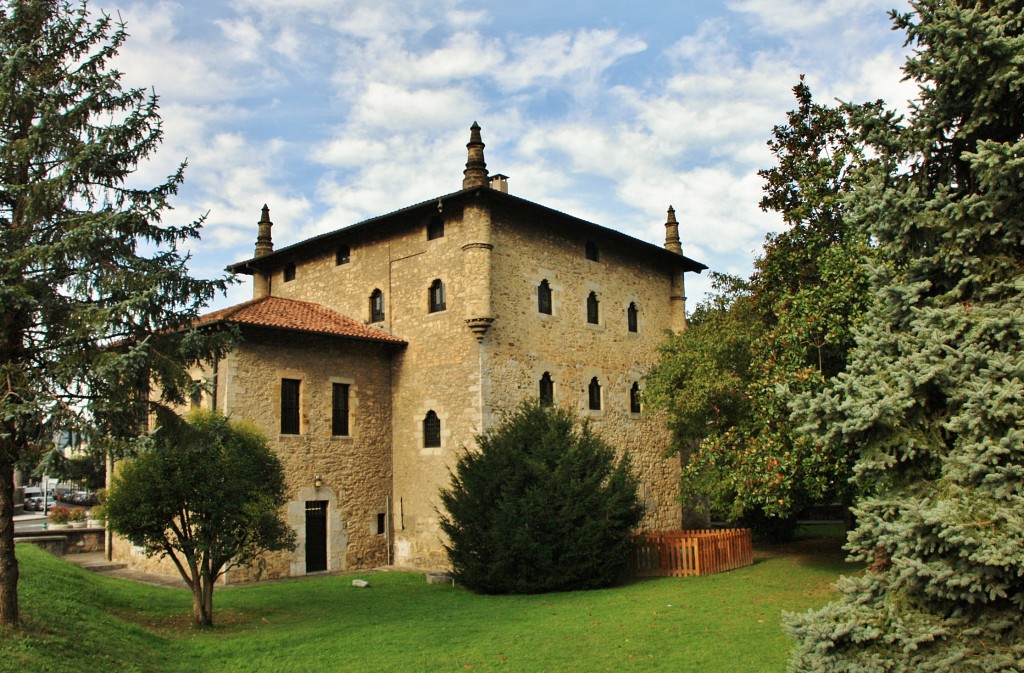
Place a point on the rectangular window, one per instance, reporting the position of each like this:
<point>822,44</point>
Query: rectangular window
<point>290,406</point>
<point>339,413</point>
<point>381,528</point>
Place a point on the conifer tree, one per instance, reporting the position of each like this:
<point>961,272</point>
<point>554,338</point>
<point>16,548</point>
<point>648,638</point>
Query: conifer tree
<point>933,398</point>
<point>94,289</point>
<point>544,505</point>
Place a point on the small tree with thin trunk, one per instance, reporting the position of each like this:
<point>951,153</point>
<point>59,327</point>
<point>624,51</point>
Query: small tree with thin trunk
<point>207,493</point>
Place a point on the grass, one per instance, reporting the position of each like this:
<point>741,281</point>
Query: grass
<point>730,622</point>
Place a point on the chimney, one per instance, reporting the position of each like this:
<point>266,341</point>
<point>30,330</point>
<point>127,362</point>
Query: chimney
<point>264,244</point>
<point>499,183</point>
<point>672,233</point>
<point>476,168</point>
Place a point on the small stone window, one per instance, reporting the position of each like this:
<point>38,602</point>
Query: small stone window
<point>289,272</point>
<point>544,297</point>
<point>634,398</point>
<point>594,395</point>
<point>339,410</point>
<point>631,317</point>
<point>431,430</point>
<point>437,298</point>
<point>343,255</point>
<point>195,398</point>
<point>290,406</point>
<point>593,314</point>
<point>381,523</point>
<point>377,306</point>
<point>435,228</point>
<point>591,251</point>
<point>547,390</point>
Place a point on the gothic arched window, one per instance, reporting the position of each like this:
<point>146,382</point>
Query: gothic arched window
<point>431,430</point>
<point>376,306</point>
<point>544,297</point>
<point>594,394</point>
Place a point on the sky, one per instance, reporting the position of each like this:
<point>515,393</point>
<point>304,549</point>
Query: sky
<point>335,111</point>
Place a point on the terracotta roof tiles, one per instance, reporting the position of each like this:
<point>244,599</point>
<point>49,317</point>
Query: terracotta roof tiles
<point>299,316</point>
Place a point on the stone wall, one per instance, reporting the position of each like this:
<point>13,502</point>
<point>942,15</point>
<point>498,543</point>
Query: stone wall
<point>524,343</point>
<point>355,470</point>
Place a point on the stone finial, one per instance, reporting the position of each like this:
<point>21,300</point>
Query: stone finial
<point>476,168</point>
<point>264,243</point>
<point>672,233</point>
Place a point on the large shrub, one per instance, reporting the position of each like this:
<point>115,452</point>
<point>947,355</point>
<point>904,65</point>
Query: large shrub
<point>544,505</point>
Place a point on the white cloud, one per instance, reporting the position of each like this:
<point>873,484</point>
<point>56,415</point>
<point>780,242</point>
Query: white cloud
<point>544,60</point>
<point>800,16</point>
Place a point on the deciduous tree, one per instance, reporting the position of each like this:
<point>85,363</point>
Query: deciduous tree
<point>932,401</point>
<point>788,332</point>
<point>94,289</point>
<point>206,493</point>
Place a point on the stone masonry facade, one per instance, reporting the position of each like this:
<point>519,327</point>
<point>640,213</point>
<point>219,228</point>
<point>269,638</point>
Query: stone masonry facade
<point>436,324</point>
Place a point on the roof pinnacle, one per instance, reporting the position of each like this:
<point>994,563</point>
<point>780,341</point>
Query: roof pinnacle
<point>264,242</point>
<point>476,168</point>
<point>672,233</point>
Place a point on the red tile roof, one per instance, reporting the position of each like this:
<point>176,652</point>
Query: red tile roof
<point>300,316</point>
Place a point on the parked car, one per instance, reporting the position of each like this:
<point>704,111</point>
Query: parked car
<point>34,504</point>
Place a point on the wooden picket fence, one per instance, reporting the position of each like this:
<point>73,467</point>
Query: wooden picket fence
<point>690,552</point>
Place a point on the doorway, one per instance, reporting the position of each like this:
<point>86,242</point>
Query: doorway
<point>316,536</point>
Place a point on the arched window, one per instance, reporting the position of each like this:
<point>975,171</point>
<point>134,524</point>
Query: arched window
<point>592,309</point>
<point>591,249</point>
<point>634,398</point>
<point>544,297</point>
<point>343,255</point>
<point>437,302</point>
<point>431,430</point>
<point>594,394</point>
<point>289,272</point>
<point>376,306</point>
<point>631,317</point>
<point>547,390</point>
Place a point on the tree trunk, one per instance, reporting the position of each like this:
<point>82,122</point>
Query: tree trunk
<point>208,583</point>
<point>8,562</point>
<point>200,617</point>
<point>108,534</point>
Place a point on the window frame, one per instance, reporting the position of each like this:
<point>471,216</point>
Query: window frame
<point>594,395</point>
<point>291,406</point>
<point>635,406</point>
<point>632,318</point>
<point>377,311</point>
<point>341,425</point>
<point>435,228</point>
<point>289,272</point>
<point>431,430</point>
<point>544,303</point>
<point>343,255</point>
<point>593,309</point>
<point>436,297</point>
<point>546,392</point>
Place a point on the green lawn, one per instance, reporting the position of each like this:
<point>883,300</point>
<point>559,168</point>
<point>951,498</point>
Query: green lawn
<point>77,621</point>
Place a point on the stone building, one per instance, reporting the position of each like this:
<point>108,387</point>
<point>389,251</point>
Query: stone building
<point>372,356</point>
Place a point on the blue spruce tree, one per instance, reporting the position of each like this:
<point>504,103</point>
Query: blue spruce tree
<point>933,398</point>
